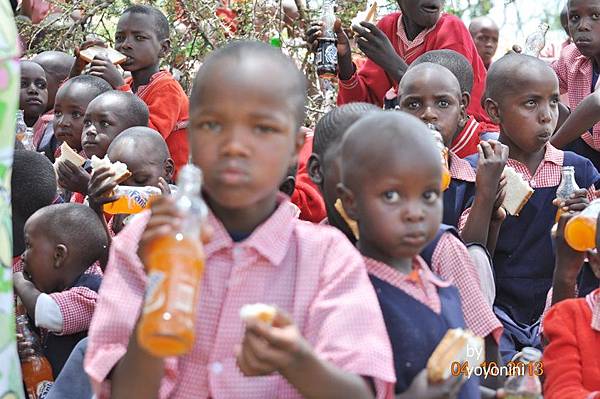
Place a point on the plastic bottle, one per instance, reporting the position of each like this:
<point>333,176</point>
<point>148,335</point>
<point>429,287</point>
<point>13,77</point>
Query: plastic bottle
<point>131,199</point>
<point>27,140</point>
<point>36,369</point>
<point>326,55</point>
<point>21,126</point>
<point>535,43</point>
<point>567,186</point>
<point>175,267</point>
<point>524,383</point>
<point>439,140</point>
<point>580,231</point>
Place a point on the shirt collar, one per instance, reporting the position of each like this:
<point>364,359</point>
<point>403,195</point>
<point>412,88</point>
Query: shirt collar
<point>391,276</point>
<point>271,239</point>
<point>420,39</point>
<point>461,169</point>
<point>593,300</point>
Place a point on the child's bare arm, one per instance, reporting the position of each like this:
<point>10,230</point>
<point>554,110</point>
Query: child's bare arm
<point>586,115</point>
<point>27,292</point>
<point>281,348</point>
<point>492,160</point>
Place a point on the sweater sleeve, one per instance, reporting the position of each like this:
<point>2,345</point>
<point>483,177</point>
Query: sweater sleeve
<point>562,358</point>
<point>164,103</point>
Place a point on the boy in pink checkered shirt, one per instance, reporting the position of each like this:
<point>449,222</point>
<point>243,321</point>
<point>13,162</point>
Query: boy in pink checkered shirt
<point>328,339</point>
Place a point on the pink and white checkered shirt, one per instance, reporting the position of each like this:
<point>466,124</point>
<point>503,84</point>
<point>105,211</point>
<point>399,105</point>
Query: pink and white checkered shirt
<point>461,169</point>
<point>452,262</point>
<point>574,71</point>
<point>421,283</point>
<point>76,304</point>
<point>310,271</point>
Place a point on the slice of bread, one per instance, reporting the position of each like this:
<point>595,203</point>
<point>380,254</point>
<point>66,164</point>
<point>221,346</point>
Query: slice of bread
<point>258,311</point>
<point>113,55</point>
<point>118,168</point>
<point>458,346</point>
<point>371,13</point>
<point>518,192</point>
<point>68,154</point>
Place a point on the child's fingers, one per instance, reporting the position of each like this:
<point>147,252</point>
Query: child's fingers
<point>486,148</point>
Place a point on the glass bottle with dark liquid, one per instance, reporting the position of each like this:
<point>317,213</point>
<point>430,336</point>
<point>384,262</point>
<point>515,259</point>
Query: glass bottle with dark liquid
<point>326,54</point>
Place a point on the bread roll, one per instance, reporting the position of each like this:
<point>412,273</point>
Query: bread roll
<point>518,192</point>
<point>458,345</point>
<point>118,168</point>
<point>113,55</point>
<point>258,311</point>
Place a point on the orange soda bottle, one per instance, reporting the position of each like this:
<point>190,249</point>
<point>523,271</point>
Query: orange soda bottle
<point>35,367</point>
<point>131,199</point>
<point>580,231</point>
<point>567,186</point>
<point>439,140</point>
<point>175,267</point>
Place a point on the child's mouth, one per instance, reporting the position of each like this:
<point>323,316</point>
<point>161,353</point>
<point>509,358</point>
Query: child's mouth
<point>430,9</point>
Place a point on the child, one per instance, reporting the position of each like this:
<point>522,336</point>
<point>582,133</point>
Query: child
<point>324,165</point>
<point>259,253</point>
<point>578,70</point>
<point>432,93</point>
<point>396,41</point>
<point>33,96</point>
<point>62,242</point>
<point>143,36</point>
<point>72,100</point>
<point>107,116</point>
<point>485,34</point>
<point>396,200</point>
<point>464,143</point>
<point>146,155</point>
<point>522,97</point>
<point>57,66</point>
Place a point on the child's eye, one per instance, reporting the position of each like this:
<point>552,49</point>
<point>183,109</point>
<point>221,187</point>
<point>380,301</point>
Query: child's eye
<point>530,104</point>
<point>104,124</point>
<point>574,18</point>
<point>431,196</point>
<point>212,126</point>
<point>264,129</point>
<point>443,104</point>
<point>119,38</point>
<point>139,38</point>
<point>87,123</point>
<point>413,105</point>
<point>554,101</point>
<point>57,114</point>
<point>77,115</point>
<point>391,197</point>
<point>595,16</point>
<point>41,84</point>
<point>23,84</point>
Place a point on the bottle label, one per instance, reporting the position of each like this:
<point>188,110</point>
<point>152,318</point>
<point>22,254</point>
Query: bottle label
<point>155,296</point>
<point>184,298</point>
<point>43,388</point>
<point>331,54</point>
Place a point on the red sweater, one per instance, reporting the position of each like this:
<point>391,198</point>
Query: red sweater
<point>466,142</point>
<point>371,82</point>
<point>572,358</point>
<point>169,112</point>
<point>306,195</point>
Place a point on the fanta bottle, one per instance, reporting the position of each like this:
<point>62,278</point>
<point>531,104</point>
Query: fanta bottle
<point>35,367</point>
<point>580,231</point>
<point>175,267</point>
<point>131,199</point>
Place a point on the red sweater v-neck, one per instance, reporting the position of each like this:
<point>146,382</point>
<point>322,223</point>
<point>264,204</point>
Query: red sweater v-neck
<point>371,83</point>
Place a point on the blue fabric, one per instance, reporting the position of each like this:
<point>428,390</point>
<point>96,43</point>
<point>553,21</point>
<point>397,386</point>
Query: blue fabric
<point>73,382</point>
<point>458,197</point>
<point>516,336</point>
<point>415,331</point>
<point>582,148</point>
<point>524,257</point>
<point>57,348</point>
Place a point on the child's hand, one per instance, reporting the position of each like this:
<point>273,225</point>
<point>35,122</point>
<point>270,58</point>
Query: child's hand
<point>568,261</point>
<point>267,349</point>
<point>165,189</point>
<point>421,388</point>
<point>101,184</point>
<point>499,213</point>
<point>315,31</point>
<point>80,63</point>
<point>377,46</point>
<point>103,68</point>
<point>577,203</point>
<point>492,160</point>
<point>73,178</point>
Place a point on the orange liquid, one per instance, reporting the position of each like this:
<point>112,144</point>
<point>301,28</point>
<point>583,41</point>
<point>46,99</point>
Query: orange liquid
<point>37,375</point>
<point>559,213</point>
<point>580,233</point>
<point>133,202</point>
<point>446,178</point>
<point>175,271</point>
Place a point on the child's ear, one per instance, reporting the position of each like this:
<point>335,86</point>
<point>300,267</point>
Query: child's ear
<point>169,170</point>
<point>464,104</point>
<point>314,169</point>
<point>60,254</point>
<point>348,201</point>
<point>466,99</point>
<point>491,107</point>
<point>165,48</point>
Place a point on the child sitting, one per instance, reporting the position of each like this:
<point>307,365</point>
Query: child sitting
<point>432,93</point>
<point>143,36</point>
<point>396,200</point>
<point>62,241</point>
<point>57,65</point>
<point>464,143</point>
<point>107,116</point>
<point>146,155</point>
<point>396,41</point>
<point>522,97</point>
<point>259,253</point>
<point>33,95</point>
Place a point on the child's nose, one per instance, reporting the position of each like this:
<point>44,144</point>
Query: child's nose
<point>235,144</point>
<point>32,89</point>
<point>428,115</point>
<point>413,213</point>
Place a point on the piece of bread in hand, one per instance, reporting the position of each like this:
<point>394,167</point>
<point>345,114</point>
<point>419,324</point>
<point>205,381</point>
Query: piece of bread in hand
<point>258,311</point>
<point>113,55</point>
<point>371,13</point>
<point>68,154</point>
<point>118,168</point>
<point>458,346</point>
<point>518,192</point>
